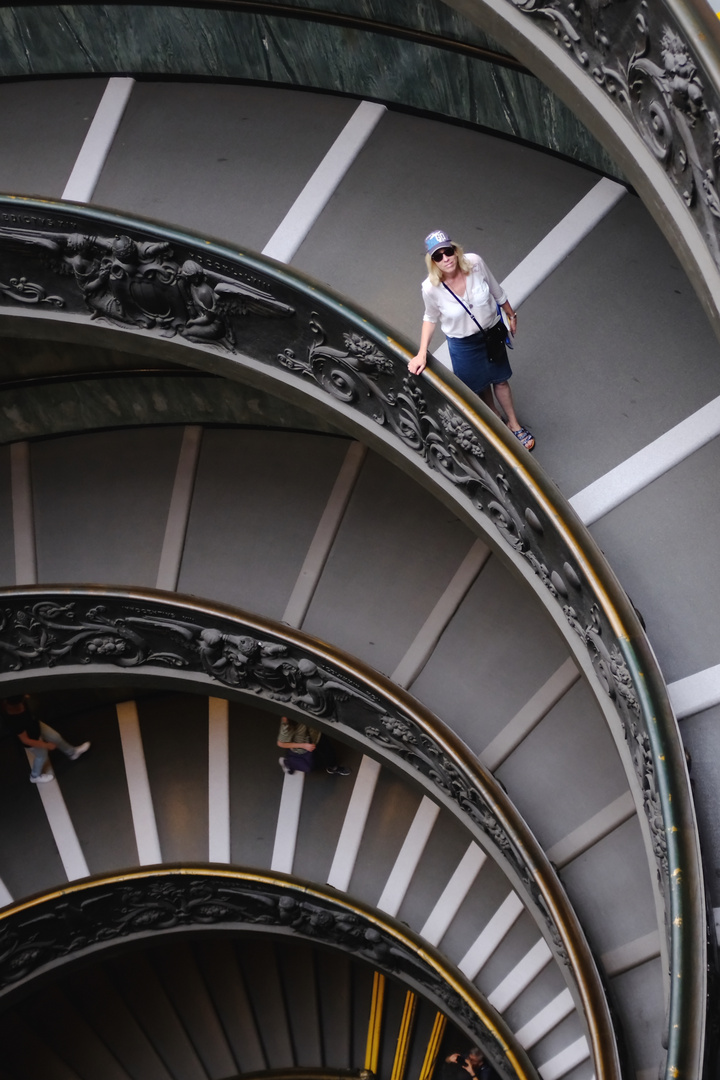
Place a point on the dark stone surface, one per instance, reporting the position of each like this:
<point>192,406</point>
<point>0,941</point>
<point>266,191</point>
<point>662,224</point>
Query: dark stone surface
<point>153,40</point>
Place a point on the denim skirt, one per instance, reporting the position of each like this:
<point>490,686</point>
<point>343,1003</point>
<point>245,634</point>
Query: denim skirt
<point>471,363</point>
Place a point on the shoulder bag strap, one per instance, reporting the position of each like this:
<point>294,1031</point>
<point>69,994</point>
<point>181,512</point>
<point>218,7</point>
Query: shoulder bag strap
<point>482,331</point>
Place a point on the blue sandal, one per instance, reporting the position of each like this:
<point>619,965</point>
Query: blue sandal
<point>525,437</point>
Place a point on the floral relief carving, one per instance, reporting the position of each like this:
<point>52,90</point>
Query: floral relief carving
<point>642,60</point>
<point>129,632</point>
<point>69,924</point>
<point>80,267</point>
<point>140,283</point>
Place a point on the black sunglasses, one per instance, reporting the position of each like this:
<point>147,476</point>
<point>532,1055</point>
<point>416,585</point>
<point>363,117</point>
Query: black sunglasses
<point>441,253</point>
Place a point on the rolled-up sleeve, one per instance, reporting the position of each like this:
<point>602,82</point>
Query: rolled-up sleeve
<point>432,309</point>
<point>496,290</point>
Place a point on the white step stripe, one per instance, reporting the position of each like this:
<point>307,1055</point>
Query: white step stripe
<point>324,537</point>
<point>555,247</point>
<point>311,201</point>
<point>453,895</point>
<point>96,147</point>
<point>62,828</point>
<point>530,716</point>
<point>593,830</point>
<point>521,976</point>
<point>179,509</point>
<point>23,514</point>
<point>655,459</point>
<point>567,1059</point>
<point>544,1021</point>
<point>409,856</point>
<point>5,897</point>
<point>695,693</point>
<point>354,825</point>
<point>632,954</point>
<point>488,940</point>
<point>561,241</point>
<point>288,823</point>
<point>141,804</point>
<point>218,781</point>
<point>434,626</point>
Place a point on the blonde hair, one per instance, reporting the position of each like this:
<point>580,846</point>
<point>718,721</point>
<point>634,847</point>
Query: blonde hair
<point>433,268</point>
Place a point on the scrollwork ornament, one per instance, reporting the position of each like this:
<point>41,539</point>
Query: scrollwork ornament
<point>642,58</point>
<point>65,926</point>
<point>27,292</point>
<point>127,281</point>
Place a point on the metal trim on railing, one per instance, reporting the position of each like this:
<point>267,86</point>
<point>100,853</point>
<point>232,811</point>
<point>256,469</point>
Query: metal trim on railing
<point>85,917</point>
<point>239,315</point>
<point>65,633</point>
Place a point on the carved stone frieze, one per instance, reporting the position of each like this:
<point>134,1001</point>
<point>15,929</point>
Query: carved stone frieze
<point>66,925</point>
<point>131,632</point>
<point>129,281</point>
<point>136,277</point>
<point>431,427</point>
<point>640,56</point>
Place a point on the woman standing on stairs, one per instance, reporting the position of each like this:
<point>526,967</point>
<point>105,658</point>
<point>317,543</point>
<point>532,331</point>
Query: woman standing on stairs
<point>462,294</point>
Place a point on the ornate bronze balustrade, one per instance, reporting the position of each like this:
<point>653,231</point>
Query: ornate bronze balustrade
<point>45,634</point>
<point>236,314</point>
<point>645,78</point>
<point>85,917</point>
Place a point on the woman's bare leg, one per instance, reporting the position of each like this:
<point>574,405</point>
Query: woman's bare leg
<point>487,396</point>
<point>504,395</point>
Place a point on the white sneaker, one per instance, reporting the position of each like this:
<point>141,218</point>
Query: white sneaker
<point>79,751</point>
<point>43,778</point>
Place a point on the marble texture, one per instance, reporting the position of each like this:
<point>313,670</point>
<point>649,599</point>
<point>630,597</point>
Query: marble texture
<point>91,404</point>
<point>150,40</point>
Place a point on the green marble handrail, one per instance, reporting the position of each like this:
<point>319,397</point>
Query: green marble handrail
<point>419,56</point>
<point>96,274</point>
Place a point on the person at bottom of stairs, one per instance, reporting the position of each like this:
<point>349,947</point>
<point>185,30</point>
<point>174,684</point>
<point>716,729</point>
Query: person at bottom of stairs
<point>39,738</point>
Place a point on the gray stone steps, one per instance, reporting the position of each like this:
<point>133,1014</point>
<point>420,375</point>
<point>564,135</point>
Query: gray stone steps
<point>180,1011</point>
<point>596,377</point>
<point>489,946</point>
<point>103,500</point>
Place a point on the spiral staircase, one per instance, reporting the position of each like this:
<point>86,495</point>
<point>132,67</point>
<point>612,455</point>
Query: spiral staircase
<point>155,482</point>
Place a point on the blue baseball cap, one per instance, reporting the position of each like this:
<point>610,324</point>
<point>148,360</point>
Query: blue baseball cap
<point>436,240</point>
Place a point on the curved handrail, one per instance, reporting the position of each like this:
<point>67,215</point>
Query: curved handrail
<point>82,267</point>
<point>88,916</point>
<point>645,79</point>
<point>45,633</point>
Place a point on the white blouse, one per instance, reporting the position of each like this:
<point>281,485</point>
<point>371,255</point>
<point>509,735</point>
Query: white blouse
<point>482,296</point>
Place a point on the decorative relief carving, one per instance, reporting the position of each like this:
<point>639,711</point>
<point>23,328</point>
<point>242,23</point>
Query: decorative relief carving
<point>65,925</point>
<point>140,283</point>
<point>450,445</point>
<point>26,292</point>
<point>638,54</point>
<point>146,283</point>
<point>133,633</point>
<point>612,672</point>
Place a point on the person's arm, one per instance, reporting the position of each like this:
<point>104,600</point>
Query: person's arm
<point>419,361</point>
<point>512,316</point>
<point>38,744</point>
<point>297,745</point>
<point>499,295</point>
